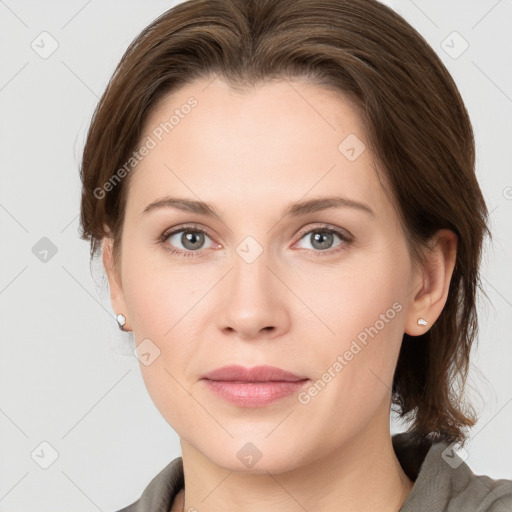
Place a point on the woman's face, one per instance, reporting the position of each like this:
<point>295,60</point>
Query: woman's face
<point>253,286</point>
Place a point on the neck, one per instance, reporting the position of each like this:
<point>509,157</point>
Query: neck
<point>363,474</point>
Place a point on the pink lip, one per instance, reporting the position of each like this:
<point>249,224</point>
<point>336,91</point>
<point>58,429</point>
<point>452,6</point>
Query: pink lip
<point>255,374</point>
<point>253,387</point>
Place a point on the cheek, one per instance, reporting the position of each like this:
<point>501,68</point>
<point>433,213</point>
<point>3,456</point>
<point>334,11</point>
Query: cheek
<point>353,295</point>
<point>363,310</point>
<point>161,301</point>
<point>158,294</point>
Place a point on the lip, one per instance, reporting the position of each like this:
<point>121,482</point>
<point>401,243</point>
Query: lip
<point>255,374</point>
<point>253,387</point>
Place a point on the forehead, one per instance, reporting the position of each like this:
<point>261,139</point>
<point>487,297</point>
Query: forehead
<point>282,137</point>
<point>292,109</point>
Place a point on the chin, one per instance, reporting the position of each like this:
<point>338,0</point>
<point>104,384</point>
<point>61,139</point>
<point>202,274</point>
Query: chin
<point>255,457</point>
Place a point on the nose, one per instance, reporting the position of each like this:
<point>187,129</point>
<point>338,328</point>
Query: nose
<point>254,299</point>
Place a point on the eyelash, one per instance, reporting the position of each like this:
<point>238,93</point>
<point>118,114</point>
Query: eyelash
<point>347,239</point>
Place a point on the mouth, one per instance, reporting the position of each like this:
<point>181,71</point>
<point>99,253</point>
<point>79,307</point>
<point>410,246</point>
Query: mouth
<point>253,387</point>
<point>255,374</point>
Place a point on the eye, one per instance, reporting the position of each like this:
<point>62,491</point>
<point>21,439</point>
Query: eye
<point>192,239</point>
<point>322,237</point>
<point>185,240</point>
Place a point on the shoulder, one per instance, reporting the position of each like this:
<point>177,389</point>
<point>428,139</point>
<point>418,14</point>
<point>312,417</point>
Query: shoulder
<point>491,495</point>
<point>461,489</point>
<point>445,482</point>
<point>467,490</point>
<point>159,494</point>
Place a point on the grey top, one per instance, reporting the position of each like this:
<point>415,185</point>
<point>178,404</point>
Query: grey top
<point>443,482</point>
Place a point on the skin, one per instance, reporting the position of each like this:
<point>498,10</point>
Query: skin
<point>250,154</point>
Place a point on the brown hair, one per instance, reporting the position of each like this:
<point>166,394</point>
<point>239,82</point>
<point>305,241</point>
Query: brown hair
<point>418,130</point>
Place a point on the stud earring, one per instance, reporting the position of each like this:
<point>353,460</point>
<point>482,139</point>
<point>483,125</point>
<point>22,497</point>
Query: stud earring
<point>121,321</point>
<point>422,321</point>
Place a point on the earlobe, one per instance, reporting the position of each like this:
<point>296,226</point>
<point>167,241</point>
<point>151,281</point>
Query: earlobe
<point>435,278</point>
<point>115,285</point>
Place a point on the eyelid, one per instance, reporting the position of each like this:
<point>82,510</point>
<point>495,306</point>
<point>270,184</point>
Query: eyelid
<point>185,227</point>
<point>322,226</point>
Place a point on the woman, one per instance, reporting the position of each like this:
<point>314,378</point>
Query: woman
<point>284,196</point>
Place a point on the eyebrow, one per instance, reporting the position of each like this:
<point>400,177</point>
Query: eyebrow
<point>294,209</point>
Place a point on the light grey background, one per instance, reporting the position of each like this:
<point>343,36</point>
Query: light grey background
<point>67,374</point>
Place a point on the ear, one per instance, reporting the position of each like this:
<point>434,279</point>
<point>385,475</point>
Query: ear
<point>114,282</point>
<point>433,282</point>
